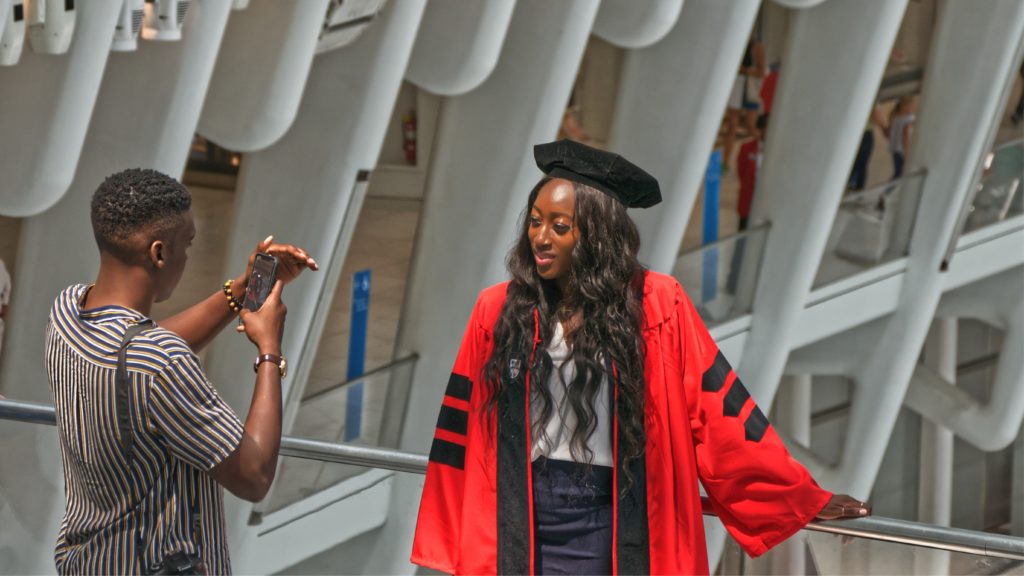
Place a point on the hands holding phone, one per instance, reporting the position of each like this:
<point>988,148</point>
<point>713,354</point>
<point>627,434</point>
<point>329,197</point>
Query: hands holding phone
<point>265,327</point>
<point>291,261</point>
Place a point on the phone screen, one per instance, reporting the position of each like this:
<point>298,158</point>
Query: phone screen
<point>264,272</point>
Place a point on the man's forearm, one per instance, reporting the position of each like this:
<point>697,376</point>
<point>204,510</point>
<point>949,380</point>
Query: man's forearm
<point>263,424</point>
<point>199,324</point>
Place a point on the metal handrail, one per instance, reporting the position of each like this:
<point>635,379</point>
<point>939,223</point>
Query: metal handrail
<point>385,368</point>
<point>859,196</point>
<point>761,227</point>
<point>873,528</point>
<point>1008,144</point>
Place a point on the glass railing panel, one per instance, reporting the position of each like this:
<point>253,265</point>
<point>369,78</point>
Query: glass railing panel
<point>379,256</point>
<point>813,553</point>
<point>999,195</point>
<point>322,416</point>
<point>871,227</point>
<point>721,277</point>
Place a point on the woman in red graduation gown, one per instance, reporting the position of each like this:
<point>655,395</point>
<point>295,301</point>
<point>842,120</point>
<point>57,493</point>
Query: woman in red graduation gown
<point>587,401</point>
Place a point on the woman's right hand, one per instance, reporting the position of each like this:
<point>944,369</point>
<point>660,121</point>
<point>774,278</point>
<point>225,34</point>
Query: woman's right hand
<point>265,327</point>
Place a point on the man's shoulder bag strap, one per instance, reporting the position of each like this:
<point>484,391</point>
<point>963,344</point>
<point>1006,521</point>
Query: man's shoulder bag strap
<point>122,385</point>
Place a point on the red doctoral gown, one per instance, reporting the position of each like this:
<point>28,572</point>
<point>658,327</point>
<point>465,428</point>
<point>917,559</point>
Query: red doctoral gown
<point>476,514</point>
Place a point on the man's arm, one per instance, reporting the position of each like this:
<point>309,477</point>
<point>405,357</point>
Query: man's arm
<point>249,471</point>
<point>199,324</point>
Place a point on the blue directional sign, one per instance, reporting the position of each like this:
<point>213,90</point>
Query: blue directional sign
<point>712,184</point>
<point>358,322</point>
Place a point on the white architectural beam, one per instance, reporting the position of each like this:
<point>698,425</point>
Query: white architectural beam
<point>798,4</point>
<point>261,73</point>
<point>632,24</point>
<point>670,105</point>
<point>47,104</point>
<point>831,70</point>
<point>974,51</point>
<point>145,115</point>
<point>458,44</point>
<point>994,424</point>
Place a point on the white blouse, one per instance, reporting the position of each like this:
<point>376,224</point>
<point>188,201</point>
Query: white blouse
<point>556,446</point>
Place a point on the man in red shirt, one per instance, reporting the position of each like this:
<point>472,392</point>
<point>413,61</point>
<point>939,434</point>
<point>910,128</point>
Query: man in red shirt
<point>768,85</point>
<point>748,164</point>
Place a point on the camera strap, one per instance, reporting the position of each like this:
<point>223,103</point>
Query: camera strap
<point>122,383</point>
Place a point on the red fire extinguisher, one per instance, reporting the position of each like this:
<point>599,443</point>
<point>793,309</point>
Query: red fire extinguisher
<point>409,136</point>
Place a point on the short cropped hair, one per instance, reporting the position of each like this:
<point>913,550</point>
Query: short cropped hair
<point>132,201</point>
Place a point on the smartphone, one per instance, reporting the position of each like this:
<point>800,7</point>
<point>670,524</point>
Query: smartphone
<point>261,281</point>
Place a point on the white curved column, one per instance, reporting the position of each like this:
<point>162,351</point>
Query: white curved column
<point>145,115</point>
<point>811,142</point>
<point>670,105</point>
<point>798,4</point>
<point>632,24</point>
<point>458,44</point>
<point>47,103</point>
<point>935,466</point>
<point>992,425</point>
<point>974,51</point>
<point>261,72</point>
<point>5,11</point>
<point>299,189</point>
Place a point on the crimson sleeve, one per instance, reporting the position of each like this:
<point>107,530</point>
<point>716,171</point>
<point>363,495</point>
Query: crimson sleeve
<point>439,525</point>
<point>759,491</point>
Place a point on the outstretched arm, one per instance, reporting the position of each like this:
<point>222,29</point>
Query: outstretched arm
<point>199,324</point>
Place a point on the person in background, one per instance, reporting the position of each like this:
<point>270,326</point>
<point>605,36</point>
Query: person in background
<point>570,127</point>
<point>859,172</point>
<point>768,86</point>
<point>748,167</point>
<point>1018,112</point>
<point>743,101</point>
<point>5,299</point>
<point>901,127</point>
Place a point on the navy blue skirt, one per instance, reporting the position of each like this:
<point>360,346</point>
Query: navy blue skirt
<point>572,511</point>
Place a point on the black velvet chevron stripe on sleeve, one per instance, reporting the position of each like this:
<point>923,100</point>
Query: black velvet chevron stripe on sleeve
<point>735,399</point>
<point>459,387</point>
<point>714,378</point>
<point>755,426</point>
<point>453,420</point>
<point>450,453</point>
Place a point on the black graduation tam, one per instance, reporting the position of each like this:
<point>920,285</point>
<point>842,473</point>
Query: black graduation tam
<point>608,172</point>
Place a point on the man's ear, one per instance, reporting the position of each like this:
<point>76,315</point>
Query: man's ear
<point>156,253</point>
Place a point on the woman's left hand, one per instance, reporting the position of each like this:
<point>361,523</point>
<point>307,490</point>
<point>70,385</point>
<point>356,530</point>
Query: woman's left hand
<point>844,506</point>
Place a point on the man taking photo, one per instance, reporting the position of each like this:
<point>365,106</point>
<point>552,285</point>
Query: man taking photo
<point>144,493</point>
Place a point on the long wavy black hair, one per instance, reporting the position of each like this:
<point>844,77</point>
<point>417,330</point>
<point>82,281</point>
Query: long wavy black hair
<point>605,284</point>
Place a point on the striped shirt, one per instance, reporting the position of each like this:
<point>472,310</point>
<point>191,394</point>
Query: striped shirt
<point>119,512</point>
